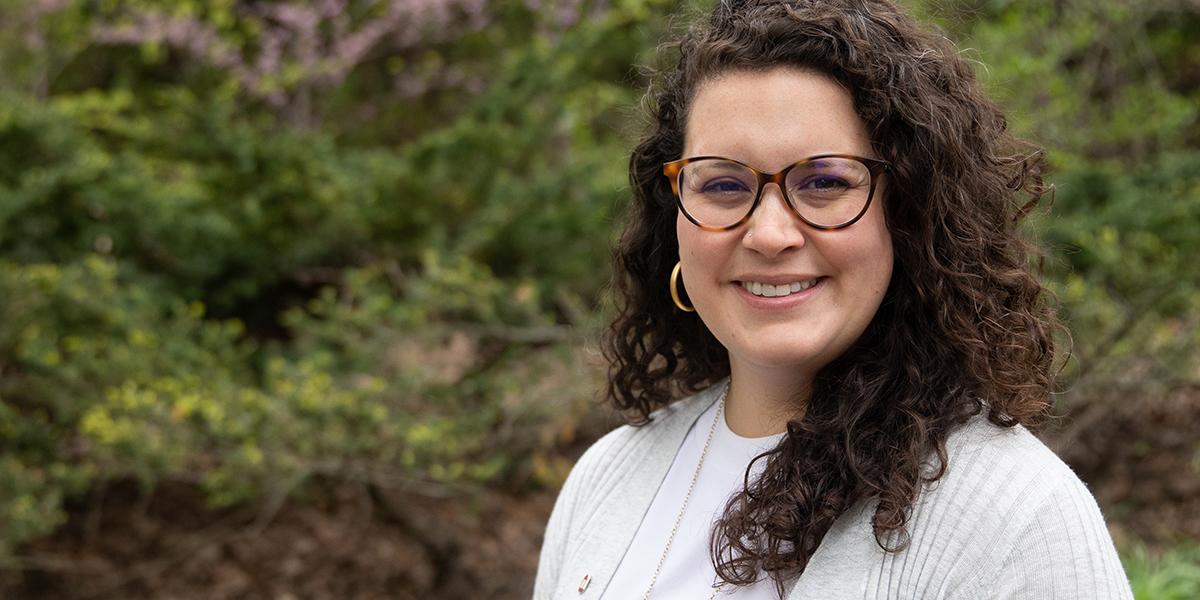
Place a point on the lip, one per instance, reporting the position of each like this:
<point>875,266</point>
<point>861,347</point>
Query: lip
<point>773,279</point>
<point>778,302</point>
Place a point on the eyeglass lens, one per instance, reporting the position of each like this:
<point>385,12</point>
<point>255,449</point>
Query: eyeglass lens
<point>827,192</point>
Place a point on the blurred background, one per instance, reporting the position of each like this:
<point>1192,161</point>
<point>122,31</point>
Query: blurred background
<point>300,299</point>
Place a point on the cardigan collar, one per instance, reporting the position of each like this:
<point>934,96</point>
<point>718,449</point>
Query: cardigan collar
<point>611,531</point>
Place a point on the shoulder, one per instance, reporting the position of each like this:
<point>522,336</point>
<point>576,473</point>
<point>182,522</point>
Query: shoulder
<point>1006,470</point>
<point>1007,519</point>
<point>1011,459</point>
<point>1015,512</point>
<point>1002,476</point>
<point>618,451</point>
<point>610,485</point>
<point>618,446</point>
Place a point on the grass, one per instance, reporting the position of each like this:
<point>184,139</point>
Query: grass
<point>1170,575</point>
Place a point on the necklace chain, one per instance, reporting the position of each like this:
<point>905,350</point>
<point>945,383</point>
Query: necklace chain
<point>688,497</point>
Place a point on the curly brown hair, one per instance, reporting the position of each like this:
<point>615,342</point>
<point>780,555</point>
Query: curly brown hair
<point>964,328</point>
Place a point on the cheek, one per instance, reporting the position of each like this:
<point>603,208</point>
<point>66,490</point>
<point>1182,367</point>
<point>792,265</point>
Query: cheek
<point>682,235</point>
<point>691,257</point>
<point>876,250</point>
<point>689,254</point>
<point>697,250</point>
<point>701,254</point>
<point>866,261</point>
<point>881,258</point>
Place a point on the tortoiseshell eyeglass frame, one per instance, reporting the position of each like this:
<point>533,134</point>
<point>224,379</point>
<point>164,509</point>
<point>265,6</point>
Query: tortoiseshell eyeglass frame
<point>673,169</point>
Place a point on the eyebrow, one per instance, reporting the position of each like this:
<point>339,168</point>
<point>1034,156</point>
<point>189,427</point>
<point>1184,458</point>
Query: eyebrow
<point>725,166</point>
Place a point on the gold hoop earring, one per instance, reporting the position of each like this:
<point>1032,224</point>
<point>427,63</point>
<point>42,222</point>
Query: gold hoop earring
<point>675,290</point>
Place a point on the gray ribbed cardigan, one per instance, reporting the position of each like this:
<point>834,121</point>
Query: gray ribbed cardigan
<point>1008,519</point>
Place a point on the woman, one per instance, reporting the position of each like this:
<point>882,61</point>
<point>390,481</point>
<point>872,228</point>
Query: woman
<point>823,257</point>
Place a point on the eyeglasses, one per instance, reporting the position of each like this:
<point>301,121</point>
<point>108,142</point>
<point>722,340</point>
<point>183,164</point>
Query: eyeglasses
<point>830,191</point>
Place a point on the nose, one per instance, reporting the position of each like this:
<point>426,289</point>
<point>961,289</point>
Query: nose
<point>773,228</point>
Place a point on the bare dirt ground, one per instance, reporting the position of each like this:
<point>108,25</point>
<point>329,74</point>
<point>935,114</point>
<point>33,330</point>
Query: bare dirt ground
<point>352,542</point>
<point>1140,456</point>
<point>343,541</point>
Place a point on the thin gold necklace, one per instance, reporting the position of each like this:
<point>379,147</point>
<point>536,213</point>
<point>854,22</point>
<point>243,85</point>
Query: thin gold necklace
<point>683,508</point>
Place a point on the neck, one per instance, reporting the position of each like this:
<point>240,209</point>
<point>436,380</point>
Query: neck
<point>762,400</point>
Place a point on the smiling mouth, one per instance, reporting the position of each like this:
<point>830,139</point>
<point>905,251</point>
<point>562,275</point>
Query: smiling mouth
<point>767,290</point>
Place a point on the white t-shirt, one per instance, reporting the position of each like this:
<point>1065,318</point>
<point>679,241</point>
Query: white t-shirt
<point>688,571</point>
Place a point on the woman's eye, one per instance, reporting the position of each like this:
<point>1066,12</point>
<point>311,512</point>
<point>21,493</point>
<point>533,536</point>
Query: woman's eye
<point>723,186</point>
<point>824,183</point>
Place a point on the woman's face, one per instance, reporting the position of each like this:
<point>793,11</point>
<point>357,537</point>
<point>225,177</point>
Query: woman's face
<point>769,120</point>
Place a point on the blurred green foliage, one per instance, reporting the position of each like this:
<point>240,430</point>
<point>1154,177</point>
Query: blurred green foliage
<point>245,245</point>
<point>1113,90</point>
<point>1174,575</point>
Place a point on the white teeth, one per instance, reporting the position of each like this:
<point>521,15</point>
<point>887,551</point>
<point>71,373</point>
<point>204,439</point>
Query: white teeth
<point>768,290</point>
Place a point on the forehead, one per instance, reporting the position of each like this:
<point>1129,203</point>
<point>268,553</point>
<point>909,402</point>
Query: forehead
<point>769,119</point>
